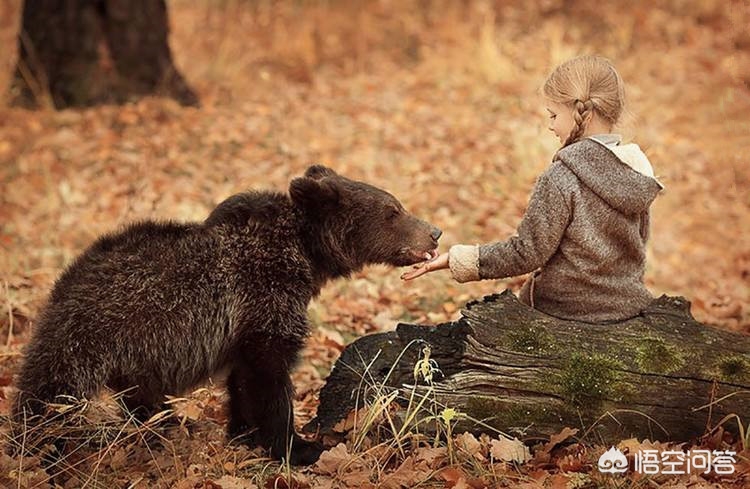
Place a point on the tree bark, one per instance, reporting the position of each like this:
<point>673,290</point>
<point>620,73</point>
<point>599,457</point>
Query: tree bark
<point>661,375</point>
<point>59,48</point>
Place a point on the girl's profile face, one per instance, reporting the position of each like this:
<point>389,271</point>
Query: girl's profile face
<point>560,119</point>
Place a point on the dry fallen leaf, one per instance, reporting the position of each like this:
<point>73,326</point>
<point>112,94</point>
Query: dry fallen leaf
<point>432,456</point>
<point>469,444</point>
<point>509,450</point>
<point>405,476</point>
<point>230,482</point>
<point>354,417</point>
<point>280,481</point>
<point>330,460</point>
<point>559,438</point>
<point>453,476</point>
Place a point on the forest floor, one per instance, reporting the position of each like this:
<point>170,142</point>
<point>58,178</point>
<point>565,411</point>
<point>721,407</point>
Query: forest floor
<point>436,102</point>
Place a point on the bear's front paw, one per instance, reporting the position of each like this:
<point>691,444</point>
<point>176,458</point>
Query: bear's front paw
<point>305,452</point>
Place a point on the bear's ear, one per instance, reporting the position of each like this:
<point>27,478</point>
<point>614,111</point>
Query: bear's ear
<point>319,171</point>
<point>313,194</point>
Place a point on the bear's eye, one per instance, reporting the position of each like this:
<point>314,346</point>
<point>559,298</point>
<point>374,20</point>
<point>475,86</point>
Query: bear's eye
<point>393,212</point>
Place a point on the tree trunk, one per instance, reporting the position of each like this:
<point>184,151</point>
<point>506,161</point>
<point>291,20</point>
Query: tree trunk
<point>60,43</point>
<point>520,371</point>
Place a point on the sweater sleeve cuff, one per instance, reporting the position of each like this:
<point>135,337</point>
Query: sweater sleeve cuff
<point>464,262</point>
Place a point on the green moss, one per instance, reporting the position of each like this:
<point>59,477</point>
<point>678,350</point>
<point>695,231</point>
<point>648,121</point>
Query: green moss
<point>587,380</point>
<point>485,408</point>
<point>653,354</point>
<point>503,414</point>
<point>734,368</point>
<point>530,339</point>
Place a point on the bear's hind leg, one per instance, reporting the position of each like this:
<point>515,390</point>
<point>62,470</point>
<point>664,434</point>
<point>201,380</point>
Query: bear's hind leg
<point>62,380</point>
<point>46,379</point>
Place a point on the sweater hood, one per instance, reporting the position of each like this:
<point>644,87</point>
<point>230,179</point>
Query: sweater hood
<point>621,175</point>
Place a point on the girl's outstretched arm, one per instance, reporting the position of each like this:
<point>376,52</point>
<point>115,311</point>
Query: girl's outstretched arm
<point>439,263</point>
<point>537,238</point>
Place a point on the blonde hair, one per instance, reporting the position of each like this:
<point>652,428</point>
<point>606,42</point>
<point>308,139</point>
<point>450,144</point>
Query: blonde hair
<point>586,83</point>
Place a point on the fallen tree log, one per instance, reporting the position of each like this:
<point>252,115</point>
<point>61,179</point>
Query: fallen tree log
<point>661,375</point>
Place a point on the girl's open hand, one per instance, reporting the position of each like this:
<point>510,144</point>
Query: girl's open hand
<point>439,263</point>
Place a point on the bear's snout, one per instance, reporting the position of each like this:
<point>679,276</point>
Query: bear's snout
<point>417,241</point>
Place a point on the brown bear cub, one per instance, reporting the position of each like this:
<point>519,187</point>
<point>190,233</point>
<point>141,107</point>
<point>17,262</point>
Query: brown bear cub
<point>160,306</point>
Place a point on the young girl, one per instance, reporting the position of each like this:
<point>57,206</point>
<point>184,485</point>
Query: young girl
<point>585,229</point>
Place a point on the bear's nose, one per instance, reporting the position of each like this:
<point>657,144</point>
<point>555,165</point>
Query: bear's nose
<point>436,233</point>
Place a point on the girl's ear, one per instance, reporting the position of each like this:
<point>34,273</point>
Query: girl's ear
<point>314,195</point>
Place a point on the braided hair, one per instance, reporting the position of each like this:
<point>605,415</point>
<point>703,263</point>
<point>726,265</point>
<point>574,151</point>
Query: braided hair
<point>581,117</point>
<point>589,85</point>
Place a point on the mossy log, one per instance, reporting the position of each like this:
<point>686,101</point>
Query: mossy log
<point>661,375</point>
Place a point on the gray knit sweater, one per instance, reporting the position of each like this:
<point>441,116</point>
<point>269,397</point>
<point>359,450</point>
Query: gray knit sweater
<point>584,233</point>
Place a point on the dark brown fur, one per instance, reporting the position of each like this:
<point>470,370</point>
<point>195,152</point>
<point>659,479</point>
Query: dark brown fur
<point>159,307</point>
